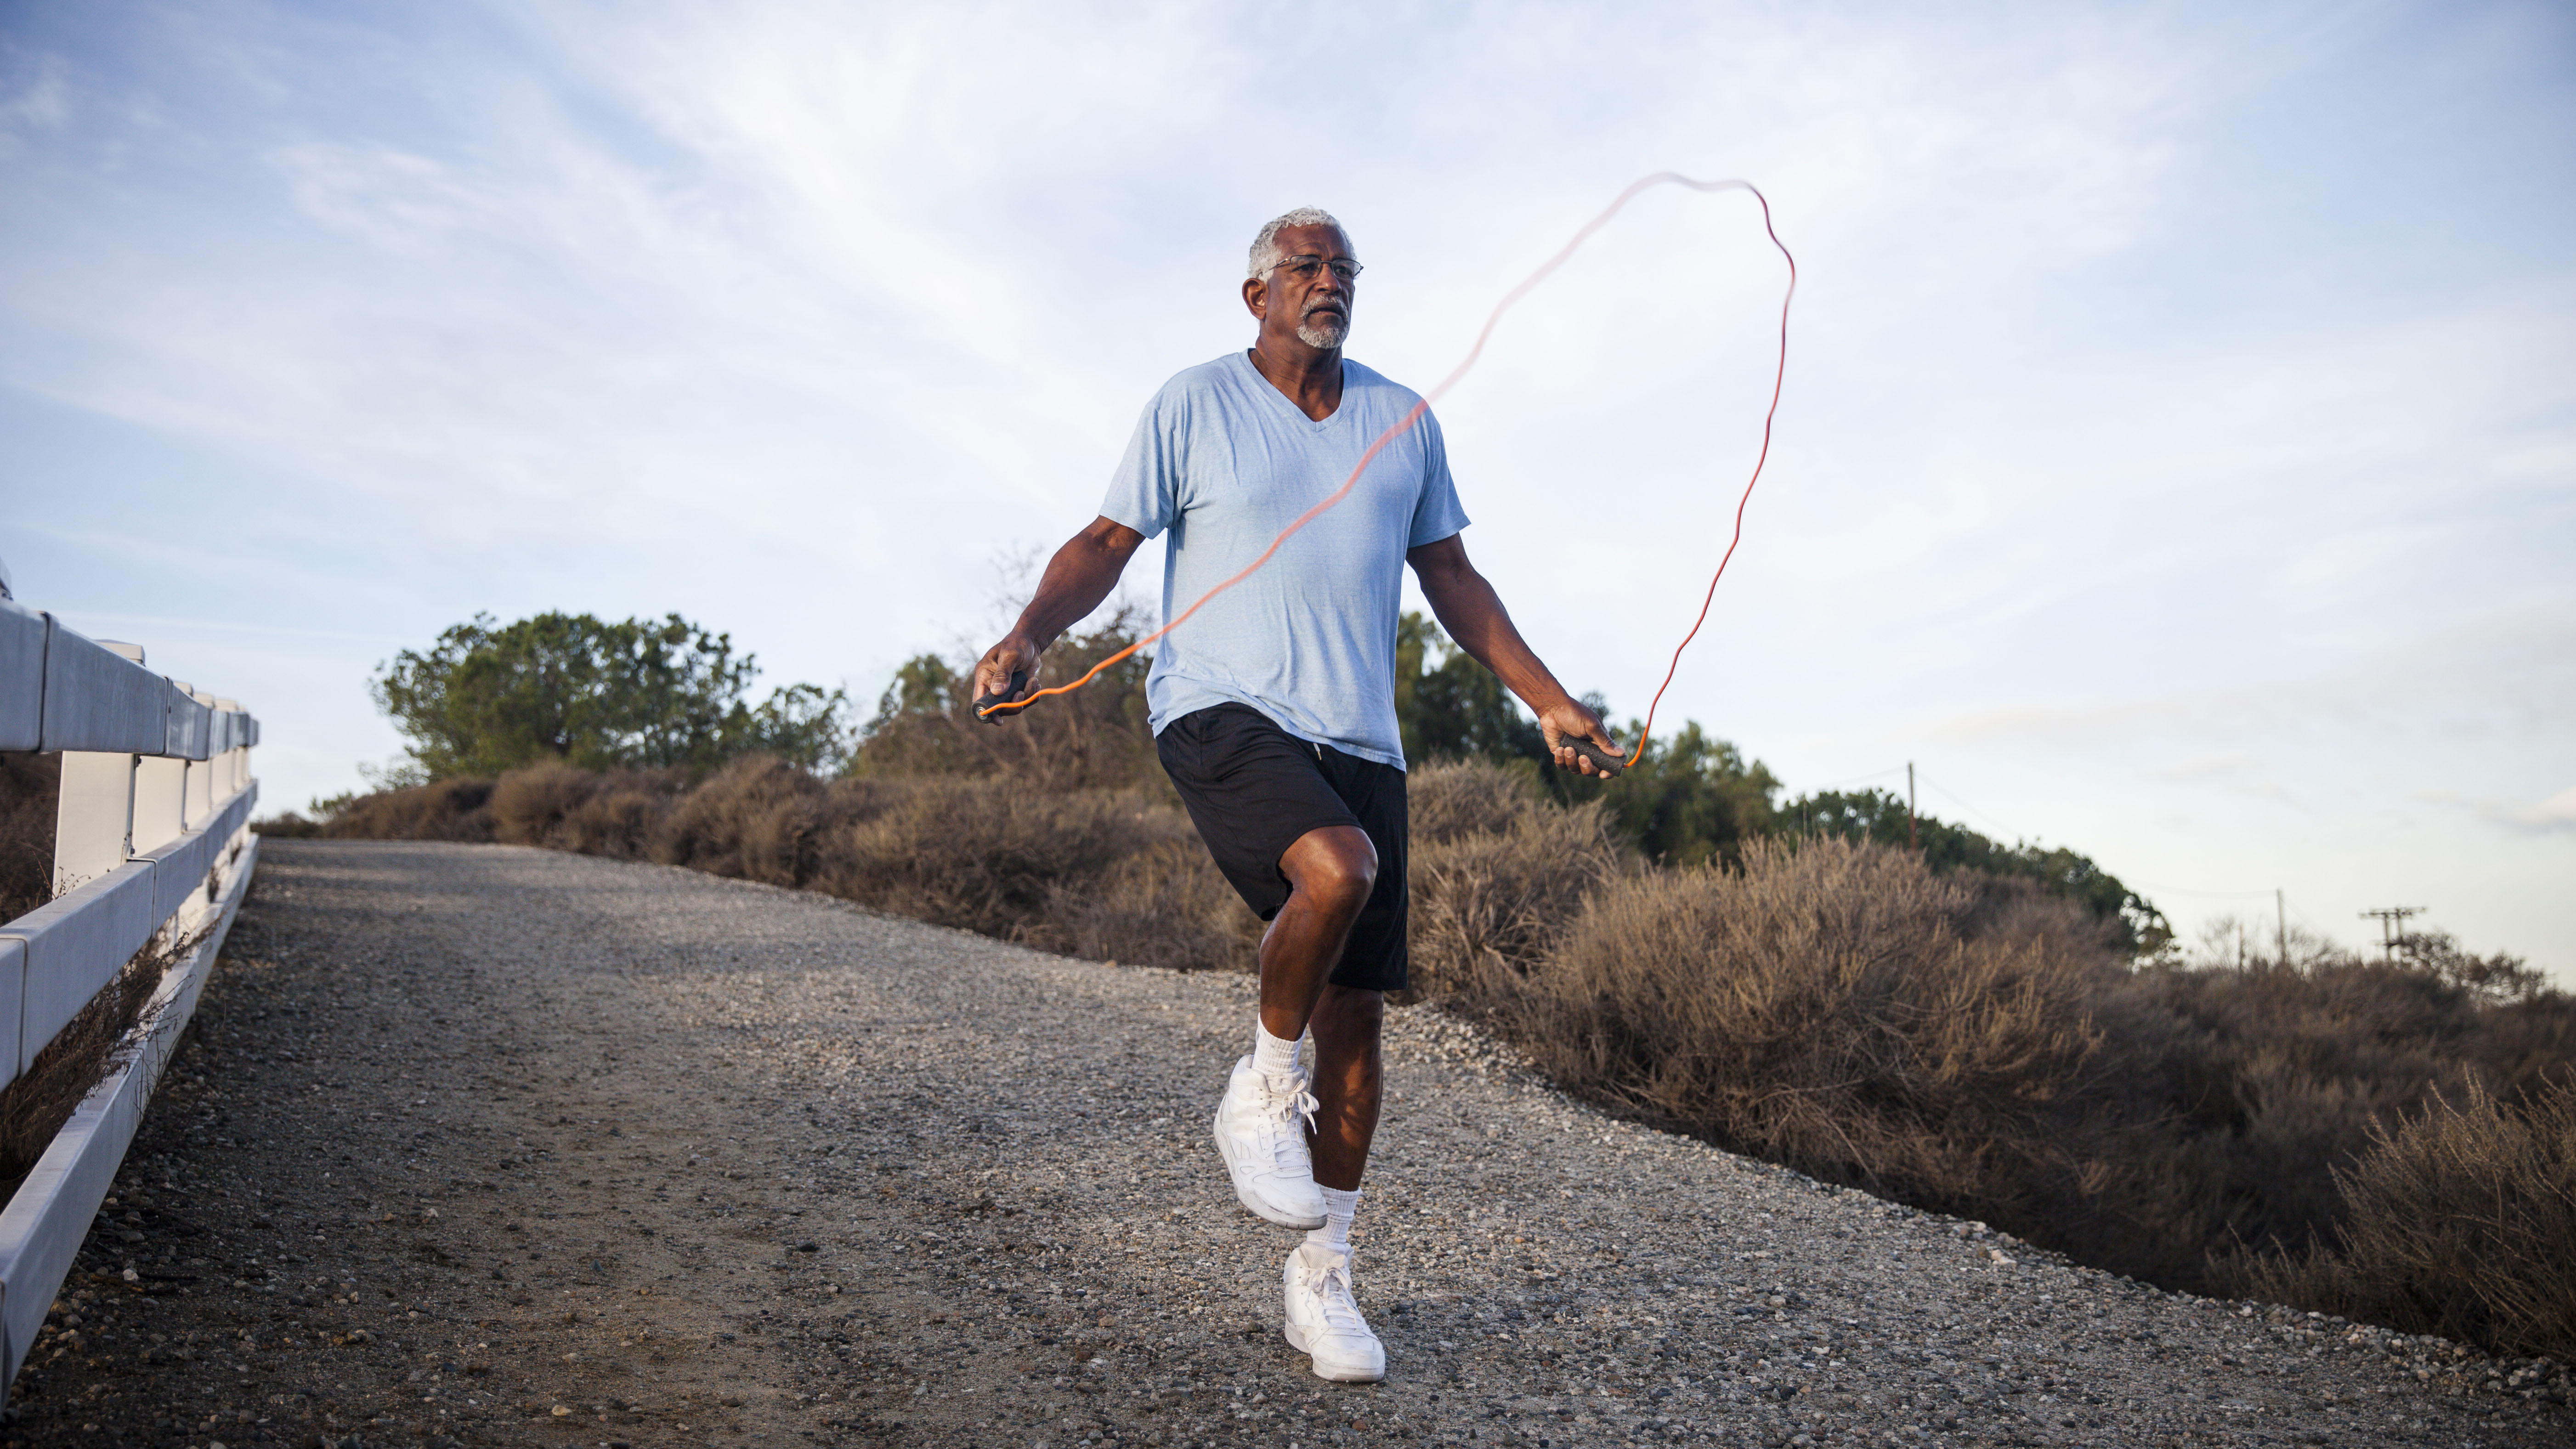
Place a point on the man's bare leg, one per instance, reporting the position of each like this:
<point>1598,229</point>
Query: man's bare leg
<point>1263,1121</point>
<point>1330,874</point>
<point>1349,1081</point>
<point>1323,1319</point>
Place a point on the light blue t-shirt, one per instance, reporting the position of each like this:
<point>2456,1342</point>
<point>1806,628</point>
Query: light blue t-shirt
<point>1223,460</point>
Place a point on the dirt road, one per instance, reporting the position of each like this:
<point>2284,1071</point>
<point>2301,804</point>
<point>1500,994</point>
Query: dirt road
<point>498,1146</point>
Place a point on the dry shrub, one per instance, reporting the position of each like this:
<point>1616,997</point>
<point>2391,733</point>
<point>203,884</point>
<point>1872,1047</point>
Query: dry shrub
<point>35,1106</point>
<point>2278,1076</point>
<point>989,854</point>
<point>1166,905</point>
<point>1452,799</point>
<point>563,808</point>
<point>754,819</point>
<point>1498,872</point>
<point>441,810</point>
<point>28,789</point>
<point>1826,1007</point>
<point>764,819</point>
<point>2459,1221</point>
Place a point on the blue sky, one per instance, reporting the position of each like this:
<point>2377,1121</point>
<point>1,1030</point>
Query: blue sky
<point>2178,460</point>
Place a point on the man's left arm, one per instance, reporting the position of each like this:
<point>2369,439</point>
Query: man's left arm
<point>1467,606</point>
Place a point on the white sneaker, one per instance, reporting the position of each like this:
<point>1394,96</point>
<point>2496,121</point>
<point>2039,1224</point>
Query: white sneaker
<point>1324,1322</point>
<point>1261,1134</point>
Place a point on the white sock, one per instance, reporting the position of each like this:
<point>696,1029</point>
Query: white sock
<point>1340,1206</point>
<point>1273,1055</point>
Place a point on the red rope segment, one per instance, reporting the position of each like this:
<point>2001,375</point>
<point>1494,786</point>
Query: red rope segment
<point>1779,375</point>
<point>1400,427</point>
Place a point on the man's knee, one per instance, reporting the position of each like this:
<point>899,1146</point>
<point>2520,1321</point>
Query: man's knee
<point>1336,867</point>
<point>1350,1014</point>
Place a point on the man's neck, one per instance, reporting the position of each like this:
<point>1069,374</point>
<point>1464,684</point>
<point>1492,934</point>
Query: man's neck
<point>1310,377</point>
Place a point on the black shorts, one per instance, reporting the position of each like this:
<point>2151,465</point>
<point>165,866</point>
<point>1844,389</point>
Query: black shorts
<point>1252,789</point>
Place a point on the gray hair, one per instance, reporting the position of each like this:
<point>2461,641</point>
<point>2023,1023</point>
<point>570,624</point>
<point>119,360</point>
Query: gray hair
<point>1265,243</point>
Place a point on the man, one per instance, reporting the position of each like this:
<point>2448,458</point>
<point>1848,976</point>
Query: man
<point>1273,710</point>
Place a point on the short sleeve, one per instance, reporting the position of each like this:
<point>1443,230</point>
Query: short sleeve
<point>1145,492</point>
<point>1437,513</point>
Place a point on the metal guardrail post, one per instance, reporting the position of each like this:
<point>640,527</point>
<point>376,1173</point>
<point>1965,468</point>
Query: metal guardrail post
<point>202,793</point>
<point>94,821</point>
<point>94,815</point>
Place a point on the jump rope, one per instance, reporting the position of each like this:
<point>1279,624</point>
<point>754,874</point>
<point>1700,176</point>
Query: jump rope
<point>993,707</point>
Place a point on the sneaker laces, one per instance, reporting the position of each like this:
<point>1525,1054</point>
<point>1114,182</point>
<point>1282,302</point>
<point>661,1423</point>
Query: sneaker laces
<point>1329,1283</point>
<point>1281,1109</point>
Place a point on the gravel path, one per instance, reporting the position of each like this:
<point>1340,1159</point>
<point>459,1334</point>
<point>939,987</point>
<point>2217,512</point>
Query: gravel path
<point>499,1146</point>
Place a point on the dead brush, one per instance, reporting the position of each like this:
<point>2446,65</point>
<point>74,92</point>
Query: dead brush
<point>29,785</point>
<point>2459,1221</point>
<point>458,809</point>
<point>1166,905</point>
<point>563,808</point>
<point>1499,874</point>
<point>766,820</point>
<point>988,854</point>
<point>1821,1007</point>
<point>89,1047</point>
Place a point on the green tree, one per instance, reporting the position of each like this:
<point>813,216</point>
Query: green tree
<point>1688,798</point>
<point>571,687</point>
<point>1449,707</point>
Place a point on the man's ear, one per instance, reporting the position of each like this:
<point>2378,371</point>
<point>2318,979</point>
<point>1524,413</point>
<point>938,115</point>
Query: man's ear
<point>1256,297</point>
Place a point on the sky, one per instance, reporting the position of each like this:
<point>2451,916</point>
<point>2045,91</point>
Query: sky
<point>2177,459</point>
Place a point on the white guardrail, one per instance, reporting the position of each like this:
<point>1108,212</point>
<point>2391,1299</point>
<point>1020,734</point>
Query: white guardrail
<point>152,846</point>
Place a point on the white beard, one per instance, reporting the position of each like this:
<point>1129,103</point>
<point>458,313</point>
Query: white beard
<point>1324,331</point>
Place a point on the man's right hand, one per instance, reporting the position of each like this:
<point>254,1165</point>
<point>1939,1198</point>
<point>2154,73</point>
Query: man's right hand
<point>1016,655</point>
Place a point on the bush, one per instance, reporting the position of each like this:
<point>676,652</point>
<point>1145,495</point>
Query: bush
<point>1834,1007</point>
<point>615,814</point>
<point>1166,905</point>
<point>759,819</point>
<point>990,855</point>
<point>1498,873</point>
<point>29,786</point>
<point>457,809</point>
<point>2460,1221</point>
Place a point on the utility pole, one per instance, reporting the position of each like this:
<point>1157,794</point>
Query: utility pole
<point>1910,842</point>
<point>2281,904</point>
<point>2392,924</point>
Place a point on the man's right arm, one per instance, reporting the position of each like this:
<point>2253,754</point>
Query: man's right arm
<point>1079,576</point>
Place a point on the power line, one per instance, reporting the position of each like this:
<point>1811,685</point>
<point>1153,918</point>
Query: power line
<point>1973,810</point>
<point>1857,779</point>
<point>2392,924</point>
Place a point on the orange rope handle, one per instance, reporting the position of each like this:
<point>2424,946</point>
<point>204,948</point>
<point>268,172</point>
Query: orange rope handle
<point>1419,409</point>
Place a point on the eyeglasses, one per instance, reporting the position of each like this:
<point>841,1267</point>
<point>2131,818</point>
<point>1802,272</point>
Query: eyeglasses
<point>1304,268</point>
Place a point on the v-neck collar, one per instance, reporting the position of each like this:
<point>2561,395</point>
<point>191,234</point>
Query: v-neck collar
<point>1289,406</point>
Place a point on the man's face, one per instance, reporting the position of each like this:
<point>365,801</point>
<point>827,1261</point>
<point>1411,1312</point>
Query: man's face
<point>1304,295</point>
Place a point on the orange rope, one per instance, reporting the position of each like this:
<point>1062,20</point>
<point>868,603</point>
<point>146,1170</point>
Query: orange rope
<point>1400,427</point>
